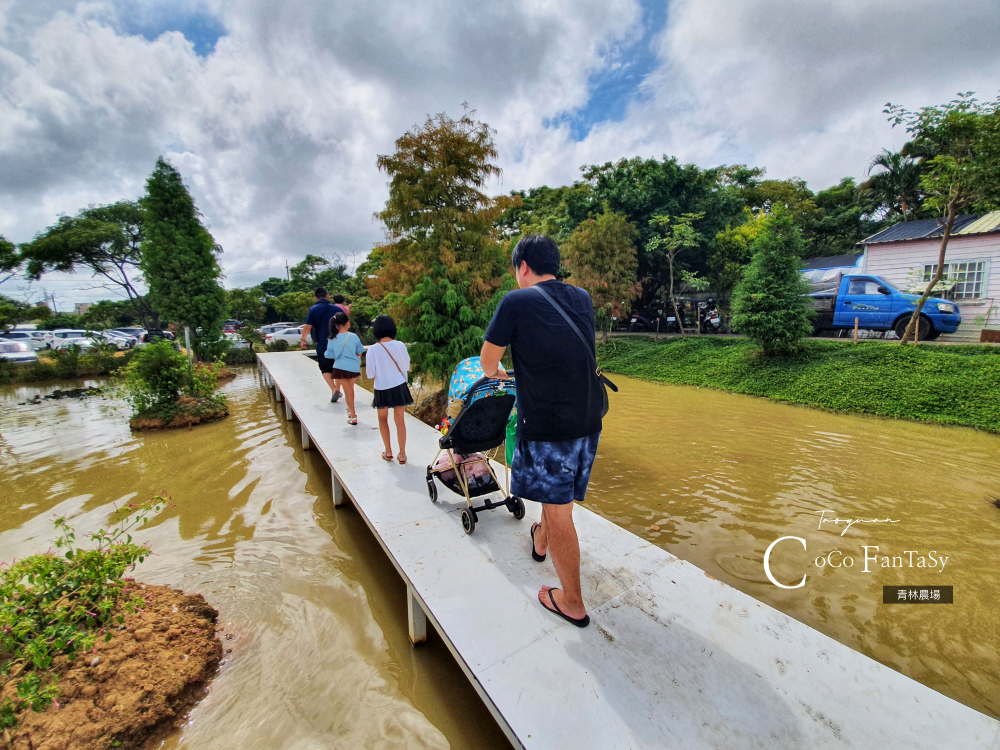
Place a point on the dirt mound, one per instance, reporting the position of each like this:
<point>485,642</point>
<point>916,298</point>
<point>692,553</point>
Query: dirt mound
<point>433,408</point>
<point>136,686</point>
<point>189,411</point>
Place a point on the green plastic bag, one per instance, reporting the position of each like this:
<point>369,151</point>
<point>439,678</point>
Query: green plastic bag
<point>511,432</point>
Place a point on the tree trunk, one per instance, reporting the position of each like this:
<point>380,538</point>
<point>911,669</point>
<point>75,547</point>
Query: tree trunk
<point>673,301</point>
<point>915,318</point>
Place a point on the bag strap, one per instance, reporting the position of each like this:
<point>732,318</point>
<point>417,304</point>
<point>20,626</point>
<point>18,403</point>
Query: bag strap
<point>588,346</point>
<point>572,325</point>
<point>392,358</point>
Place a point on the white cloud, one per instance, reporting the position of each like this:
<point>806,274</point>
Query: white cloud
<point>276,132</point>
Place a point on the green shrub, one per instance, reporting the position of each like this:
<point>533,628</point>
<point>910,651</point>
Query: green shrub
<point>240,356</point>
<point>154,377</point>
<point>61,602</point>
<point>278,345</point>
<point>67,361</point>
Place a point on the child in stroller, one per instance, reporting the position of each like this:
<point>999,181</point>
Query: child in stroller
<point>482,409</point>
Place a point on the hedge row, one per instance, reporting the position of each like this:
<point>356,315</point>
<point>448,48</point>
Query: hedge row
<point>958,385</point>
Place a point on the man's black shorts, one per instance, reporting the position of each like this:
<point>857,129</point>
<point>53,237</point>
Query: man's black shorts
<point>325,365</point>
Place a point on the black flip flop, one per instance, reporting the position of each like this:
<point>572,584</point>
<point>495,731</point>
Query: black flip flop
<point>581,623</point>
<point>534,555</point>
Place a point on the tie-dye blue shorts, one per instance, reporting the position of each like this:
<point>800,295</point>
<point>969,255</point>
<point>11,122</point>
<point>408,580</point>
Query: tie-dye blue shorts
<point>553,472</point>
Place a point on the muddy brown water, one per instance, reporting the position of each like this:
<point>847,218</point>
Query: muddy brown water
<point>314,613</point>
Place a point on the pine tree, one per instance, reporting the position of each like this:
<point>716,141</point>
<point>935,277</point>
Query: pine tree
<point>770,304</point>
<point>179,260</point>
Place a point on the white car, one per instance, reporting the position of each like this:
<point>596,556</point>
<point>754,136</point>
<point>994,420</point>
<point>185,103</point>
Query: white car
<point>29,337</point>
<point>17,351</point>
<point>292,335</point>
<point>275,327</point>
<point>120,340</point>
<point>134,332</point>
<point>64,334</point>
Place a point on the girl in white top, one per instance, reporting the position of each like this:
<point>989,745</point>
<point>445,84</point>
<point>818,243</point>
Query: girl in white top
<point>387,363</point>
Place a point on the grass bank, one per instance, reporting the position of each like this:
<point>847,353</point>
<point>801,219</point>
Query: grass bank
<point>957,385</point>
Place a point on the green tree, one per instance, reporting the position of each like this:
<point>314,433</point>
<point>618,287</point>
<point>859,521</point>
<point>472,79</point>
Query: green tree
<point>960,167</point>
<point>246,304</point>
<point>62,320</point>
<point>179,260</point>
<point>555,212</point>
<point>10,259</point>
<point>731,253</point>
<point>848,216</point>
<point>12,312</point>
<point>441,232</point>
<point>644,188</point>
<point>601,258</point>
<point>770,304</point>
<point>110,314</point>
<point>673,238</point>
<point>105,240</point>
<point>318,271</point>
<point>896,188</point>
<point>274,287</point>
<point>293,306</point>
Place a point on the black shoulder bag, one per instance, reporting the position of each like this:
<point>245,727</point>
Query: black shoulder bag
<point>601,378</point>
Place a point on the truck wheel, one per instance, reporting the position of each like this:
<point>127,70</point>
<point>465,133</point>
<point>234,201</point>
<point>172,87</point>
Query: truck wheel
<point>923,327</point>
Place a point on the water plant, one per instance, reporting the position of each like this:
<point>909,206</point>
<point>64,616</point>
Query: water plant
<point>62,601</point>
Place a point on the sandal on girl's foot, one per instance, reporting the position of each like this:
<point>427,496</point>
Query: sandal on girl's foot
<point>402,458</point>
<point>534,555</point>
<point>352,420</point>
<point>387,455</point>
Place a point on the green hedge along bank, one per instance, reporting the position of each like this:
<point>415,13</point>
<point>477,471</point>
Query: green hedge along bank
<point>956,385</point>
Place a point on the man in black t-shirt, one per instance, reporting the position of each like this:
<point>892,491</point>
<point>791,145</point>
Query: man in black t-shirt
<point>559,403</point>
<point>318,323</point>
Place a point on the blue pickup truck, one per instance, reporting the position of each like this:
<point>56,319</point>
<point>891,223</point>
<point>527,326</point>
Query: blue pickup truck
<point>840,298</point>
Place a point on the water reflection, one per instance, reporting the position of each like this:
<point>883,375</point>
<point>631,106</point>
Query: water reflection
<point>722,476</point>
<point>313,610</point>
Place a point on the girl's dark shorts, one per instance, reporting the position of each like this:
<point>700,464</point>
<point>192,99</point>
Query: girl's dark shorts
<point>344,374</point>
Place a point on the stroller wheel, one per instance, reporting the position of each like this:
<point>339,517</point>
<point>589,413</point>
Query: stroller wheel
<point>468,521</point>
<point>516,506</point>
<point>432,489</point>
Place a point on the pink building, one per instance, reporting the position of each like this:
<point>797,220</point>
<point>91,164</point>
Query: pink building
<point>906,256</point>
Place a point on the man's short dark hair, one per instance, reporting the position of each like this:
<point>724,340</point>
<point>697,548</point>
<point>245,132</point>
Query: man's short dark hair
<point>540,252</point>
<point>339,299</point>
<point>384,326</point>
<point>320,293</point>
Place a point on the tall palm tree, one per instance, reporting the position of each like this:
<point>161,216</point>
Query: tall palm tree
<point>897,187</point>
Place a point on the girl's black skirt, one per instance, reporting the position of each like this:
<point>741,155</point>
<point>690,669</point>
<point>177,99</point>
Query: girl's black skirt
<point>390,397</point>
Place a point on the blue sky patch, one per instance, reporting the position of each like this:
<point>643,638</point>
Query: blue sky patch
<point>200,28</point>
<point>617,83</point>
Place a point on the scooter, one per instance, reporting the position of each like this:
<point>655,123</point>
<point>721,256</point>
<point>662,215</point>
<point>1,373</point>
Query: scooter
<point>643,320</point>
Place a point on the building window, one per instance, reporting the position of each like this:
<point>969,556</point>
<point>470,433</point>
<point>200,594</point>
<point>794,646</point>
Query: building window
<point>965,278</point>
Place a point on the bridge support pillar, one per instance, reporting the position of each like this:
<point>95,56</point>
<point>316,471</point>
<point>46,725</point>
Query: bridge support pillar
<point>416,618</point>
<point>338,489</point>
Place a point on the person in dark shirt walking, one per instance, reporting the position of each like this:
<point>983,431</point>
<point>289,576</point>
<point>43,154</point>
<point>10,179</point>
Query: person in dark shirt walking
<point>559,405</point>
<point>318,321</point>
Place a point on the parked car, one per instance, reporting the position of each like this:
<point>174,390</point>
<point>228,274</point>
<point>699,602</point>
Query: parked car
<point>842,299</point>
<point>29,337</point>
<point>120,340</point>
<point>84,342</point>
<point>134,331</point>
<point>229,328</point>
<point>17,351</point>
<point>63,334</point>
<point>236,324</point>
<point>156,334</point>
<point>291,335</point>
<point>275,327</point>
<point>235,341</point>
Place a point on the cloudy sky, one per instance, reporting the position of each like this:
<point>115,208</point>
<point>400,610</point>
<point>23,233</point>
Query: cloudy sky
<point>275,112</point>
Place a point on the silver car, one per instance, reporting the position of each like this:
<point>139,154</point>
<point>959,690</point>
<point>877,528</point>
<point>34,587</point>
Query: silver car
<point>29,337</point>
<point>17,351</point>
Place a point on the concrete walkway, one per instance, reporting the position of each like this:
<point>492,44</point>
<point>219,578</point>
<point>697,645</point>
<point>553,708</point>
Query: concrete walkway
<point>673,658</point>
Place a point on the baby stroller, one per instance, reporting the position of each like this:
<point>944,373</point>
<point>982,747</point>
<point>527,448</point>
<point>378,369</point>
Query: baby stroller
<point>477,434</point>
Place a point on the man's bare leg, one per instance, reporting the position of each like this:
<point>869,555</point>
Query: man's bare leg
<point>558,536</point>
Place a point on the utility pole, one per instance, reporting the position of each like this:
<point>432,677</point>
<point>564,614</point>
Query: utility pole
<point>53,298</point>
<point>287,275</point>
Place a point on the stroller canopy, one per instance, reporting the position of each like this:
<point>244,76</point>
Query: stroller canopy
<point>469,383</point>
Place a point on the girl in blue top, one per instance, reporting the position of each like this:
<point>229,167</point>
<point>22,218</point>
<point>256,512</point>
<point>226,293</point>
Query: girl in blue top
<point>345,349</point>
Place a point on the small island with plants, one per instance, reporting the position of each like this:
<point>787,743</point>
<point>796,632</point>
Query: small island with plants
<point>90,658</point>
<point>165,389</point>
